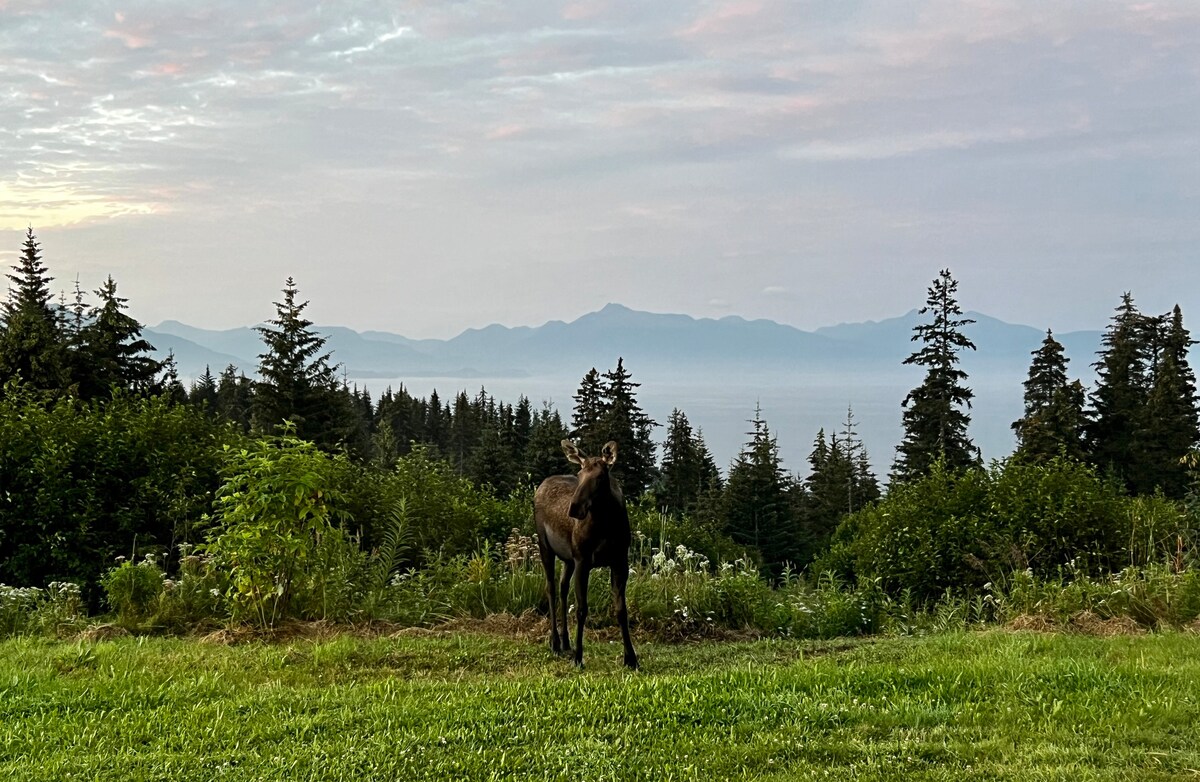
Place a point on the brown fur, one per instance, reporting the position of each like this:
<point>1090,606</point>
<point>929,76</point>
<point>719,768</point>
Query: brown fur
<point>582,521</point>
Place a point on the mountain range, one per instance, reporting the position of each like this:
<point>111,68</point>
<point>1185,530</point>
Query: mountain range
<point>668,343</point>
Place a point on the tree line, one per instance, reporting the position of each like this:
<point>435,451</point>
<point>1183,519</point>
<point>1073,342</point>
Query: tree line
<point>1136,427</point>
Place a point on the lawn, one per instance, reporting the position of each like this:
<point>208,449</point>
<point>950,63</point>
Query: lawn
<point>989,705</point>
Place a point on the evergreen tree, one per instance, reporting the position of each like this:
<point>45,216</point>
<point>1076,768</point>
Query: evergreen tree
<point>755,503</point>
<point>491,463</point>
<point>204,391</point>
<point>1171,427</point>
<point>32,336</point>
<point>840,481</point>
<point>235,393</point>
<point>112,353</point>
<point>935,424</point>
<point>1124,378</point>
<point>687,469</point>
<point>297,381</point>
<point>586,421</point>
<point>543,453</point>
<point>624,421</point>
<point>1054,419</point>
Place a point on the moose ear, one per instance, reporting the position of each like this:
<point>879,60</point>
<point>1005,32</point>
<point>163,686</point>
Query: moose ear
<point>573,454</point>
<point>609,452</point>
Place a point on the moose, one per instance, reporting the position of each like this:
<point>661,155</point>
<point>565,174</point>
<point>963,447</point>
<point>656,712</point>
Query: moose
<point>582,521</point>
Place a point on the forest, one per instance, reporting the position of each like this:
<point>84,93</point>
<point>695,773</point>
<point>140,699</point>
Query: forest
<point>257,496</point>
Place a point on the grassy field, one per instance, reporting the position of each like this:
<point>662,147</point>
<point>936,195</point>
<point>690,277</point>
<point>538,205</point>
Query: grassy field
<point>991,705</point>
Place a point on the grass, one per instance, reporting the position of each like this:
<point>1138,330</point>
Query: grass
<point>991,705</point>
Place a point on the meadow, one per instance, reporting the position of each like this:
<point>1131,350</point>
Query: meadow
<point>428,704</point>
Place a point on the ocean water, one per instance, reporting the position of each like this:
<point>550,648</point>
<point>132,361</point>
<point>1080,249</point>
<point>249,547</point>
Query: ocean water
<point>795,406</point>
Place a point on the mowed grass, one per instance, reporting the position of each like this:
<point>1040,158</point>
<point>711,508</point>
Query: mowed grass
<point>991,705</point>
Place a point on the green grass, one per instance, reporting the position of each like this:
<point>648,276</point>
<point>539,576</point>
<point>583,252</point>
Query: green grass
<point>982,706</point>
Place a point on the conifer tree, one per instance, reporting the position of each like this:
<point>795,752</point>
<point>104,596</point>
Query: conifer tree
<point>32,337</point>
<point>624,421</point>
<point>1171,427</point>
<point>1054,420</point>
<point>1115,433</point>
<point>588,413</point>
<point>204,391</point>
<point>755,502</point>
<point>687,469</point>
<point>235,393</point>
<point>935,422</point>
<point>112,352</point>
<point>297,381</point>
<point>543,453</point>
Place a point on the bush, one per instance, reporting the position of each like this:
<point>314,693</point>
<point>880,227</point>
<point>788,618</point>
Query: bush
<point>275,511</point>
<point>133,590</point>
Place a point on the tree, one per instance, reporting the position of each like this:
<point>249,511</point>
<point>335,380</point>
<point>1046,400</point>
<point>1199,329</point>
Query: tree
<point>543,454</point>
<point>113,354</point>
<point>589,410</point>
<point>624,421</point>
<point>1054,420</point>
<point>235,393</point>
<point>755,501</point>
<point>935,424</point>
<point>688,469</point>
<point>840,481</point>
<point>204,391</point>
<point>1124,369</point>
<point>1171,428</point>
<point>297,380</point>
<point>32,338</point>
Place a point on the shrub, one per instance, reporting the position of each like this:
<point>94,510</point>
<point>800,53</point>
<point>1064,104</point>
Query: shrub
<point>273,512</point>
<point>133,590</point>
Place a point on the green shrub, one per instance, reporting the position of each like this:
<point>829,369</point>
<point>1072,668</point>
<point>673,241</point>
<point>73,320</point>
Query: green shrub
<point>133,590</point>
<point>273,512</point>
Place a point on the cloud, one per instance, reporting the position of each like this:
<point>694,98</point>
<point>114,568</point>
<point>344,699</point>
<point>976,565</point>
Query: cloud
<point>775,290</point>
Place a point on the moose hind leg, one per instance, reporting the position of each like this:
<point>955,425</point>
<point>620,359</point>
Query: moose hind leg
<point>564,590</point>
<point>551,594</point>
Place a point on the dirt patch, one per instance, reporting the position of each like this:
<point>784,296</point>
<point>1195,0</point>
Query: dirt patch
<point>1083,623</point>
<point>105,632</point>
<point>1032,623</point>
<point>1089,623</point>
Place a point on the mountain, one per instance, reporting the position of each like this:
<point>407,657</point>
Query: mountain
<point>671,343</point>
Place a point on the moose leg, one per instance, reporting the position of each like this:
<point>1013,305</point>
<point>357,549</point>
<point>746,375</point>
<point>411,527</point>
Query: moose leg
<point>620,577</point>
<point>548,565</point>
<point>581,609</point>
<point>564,588</point>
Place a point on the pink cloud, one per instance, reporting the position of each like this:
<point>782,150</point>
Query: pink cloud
<point>722,20</point>
<point>502,132</point>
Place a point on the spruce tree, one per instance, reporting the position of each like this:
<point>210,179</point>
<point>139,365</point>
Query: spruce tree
<point>755,502</point>
<point>624,421</point>
<point>204,391</point>
<point>1170,427</point>
<point>296,379</point>
<point>1054,420</point>
<point>543,455</point>
<point>588,414</point>
<point>1115,433</point>
<point>687,468</point>
<point>935,422</point>
<point>33,342</point>
<point>235,394</point>
<point>113,353</point>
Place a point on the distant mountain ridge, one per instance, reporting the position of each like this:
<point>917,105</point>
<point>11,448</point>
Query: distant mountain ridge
<point>665,342</point>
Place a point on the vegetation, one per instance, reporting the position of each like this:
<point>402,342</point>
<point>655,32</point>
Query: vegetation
<point>465,706</point>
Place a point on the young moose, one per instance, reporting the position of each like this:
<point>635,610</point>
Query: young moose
<point>582,521</point>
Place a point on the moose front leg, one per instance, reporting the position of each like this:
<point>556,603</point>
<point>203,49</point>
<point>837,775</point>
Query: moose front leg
<point>620,577</point>
<point>583,570</point>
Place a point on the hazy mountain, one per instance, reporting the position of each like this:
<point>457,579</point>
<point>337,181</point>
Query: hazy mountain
<point>666,342</point>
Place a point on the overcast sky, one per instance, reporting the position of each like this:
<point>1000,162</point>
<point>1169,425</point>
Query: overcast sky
<point>427,167</point>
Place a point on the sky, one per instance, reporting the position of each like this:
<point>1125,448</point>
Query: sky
<point>423,168</point>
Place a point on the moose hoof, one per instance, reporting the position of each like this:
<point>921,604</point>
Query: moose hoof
<point>631,662</point>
